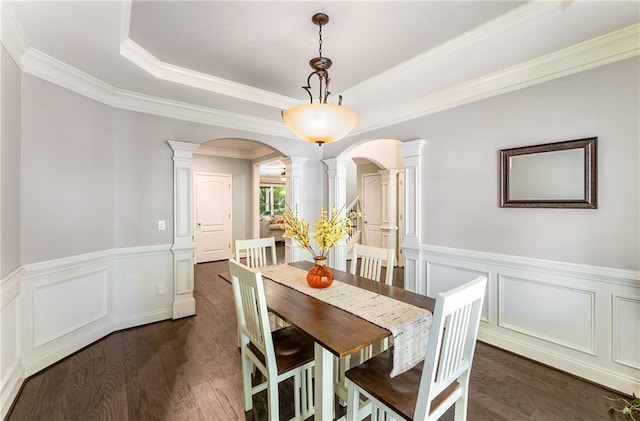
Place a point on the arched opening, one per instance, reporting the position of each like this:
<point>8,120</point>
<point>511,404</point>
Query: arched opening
<point>374,180</point>
<point>250,165</point>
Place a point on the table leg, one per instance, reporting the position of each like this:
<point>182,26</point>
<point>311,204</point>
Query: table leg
<point>324,392</point>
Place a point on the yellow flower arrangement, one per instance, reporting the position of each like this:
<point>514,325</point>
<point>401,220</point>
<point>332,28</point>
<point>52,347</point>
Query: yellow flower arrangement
<point>330,229</point>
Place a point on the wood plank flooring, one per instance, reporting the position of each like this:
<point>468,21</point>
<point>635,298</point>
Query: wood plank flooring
<point>189,369</point>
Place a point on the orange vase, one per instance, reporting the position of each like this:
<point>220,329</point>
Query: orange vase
<point>320,276</point>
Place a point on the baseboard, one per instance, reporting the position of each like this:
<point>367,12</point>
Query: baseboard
<point>45,359</point>
<point>589,372</point>
<point>11,387</point>
<point>142,319</point>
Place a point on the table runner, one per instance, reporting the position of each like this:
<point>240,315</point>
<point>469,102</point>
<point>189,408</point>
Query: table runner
<point>408,324</point>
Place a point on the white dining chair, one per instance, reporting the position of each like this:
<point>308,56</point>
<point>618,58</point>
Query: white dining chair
<point>259,252</point>
<point>278,355</point>
<point>370,260</point>
<point>441,381</point>
<point>255,251</point>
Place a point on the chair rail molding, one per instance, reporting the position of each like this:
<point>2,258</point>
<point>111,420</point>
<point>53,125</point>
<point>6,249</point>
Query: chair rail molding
<point>183,242</point>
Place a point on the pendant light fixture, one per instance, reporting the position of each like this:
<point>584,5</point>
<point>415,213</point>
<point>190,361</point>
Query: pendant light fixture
<point>320,122</point>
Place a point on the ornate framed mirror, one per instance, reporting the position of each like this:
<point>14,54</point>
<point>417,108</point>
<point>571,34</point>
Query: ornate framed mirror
<point>551,175</point>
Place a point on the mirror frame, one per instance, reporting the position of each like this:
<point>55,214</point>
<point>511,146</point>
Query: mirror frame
<point>589,201</point>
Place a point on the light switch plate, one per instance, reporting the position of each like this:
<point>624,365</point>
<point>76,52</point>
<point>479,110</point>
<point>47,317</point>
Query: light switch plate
<point>161,225</point>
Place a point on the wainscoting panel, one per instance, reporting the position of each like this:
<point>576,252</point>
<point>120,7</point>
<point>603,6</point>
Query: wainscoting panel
<point>555,313</point>
<point>60,307</point>
<point>626,331</point>
<point>441,278</point>
<point>578,318</point>
<point>143,285</point>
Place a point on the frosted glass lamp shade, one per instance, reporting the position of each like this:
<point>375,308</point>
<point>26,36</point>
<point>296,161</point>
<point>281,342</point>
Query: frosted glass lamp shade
<point>320,123</point>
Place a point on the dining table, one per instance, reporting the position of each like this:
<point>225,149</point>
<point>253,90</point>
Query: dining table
<point>336,332</point>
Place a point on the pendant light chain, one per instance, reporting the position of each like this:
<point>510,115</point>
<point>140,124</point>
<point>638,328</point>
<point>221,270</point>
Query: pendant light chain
<point>320,42</point>
<point>322,97</point>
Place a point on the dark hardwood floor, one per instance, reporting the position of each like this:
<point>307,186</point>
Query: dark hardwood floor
<point>189,369</point>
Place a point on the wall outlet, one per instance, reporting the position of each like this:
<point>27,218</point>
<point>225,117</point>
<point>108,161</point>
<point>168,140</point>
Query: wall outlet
<point>160,289</point>
<point>162,225</point>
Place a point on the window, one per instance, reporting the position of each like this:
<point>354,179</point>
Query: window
<point>272,200</point>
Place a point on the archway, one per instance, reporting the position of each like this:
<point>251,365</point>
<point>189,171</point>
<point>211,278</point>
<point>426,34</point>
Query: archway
<point>408,164</point>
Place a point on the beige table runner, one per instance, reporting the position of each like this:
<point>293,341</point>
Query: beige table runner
<point>408,324</point>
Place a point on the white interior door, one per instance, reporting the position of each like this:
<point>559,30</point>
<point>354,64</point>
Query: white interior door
<point>213,217</point>
<point>372,209</point>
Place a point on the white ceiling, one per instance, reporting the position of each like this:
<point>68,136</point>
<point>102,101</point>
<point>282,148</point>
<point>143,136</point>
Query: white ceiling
<point>238,63</point>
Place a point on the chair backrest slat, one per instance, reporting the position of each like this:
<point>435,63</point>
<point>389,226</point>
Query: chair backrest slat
<point>452,341</point>
<point>371,261</point>
<point>255,250</point>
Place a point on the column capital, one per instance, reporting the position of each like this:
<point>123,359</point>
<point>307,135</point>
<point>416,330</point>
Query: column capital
<point>412,147</point>
<point>337,164</point>
<point>182,149</point>
<point>294,162</point>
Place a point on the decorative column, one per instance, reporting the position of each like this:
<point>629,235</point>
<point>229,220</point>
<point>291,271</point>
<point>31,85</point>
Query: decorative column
<point>389,227</point>
<point>294,171</point>
<point>337,196</point>
<point>414,271</point>
<point>183,242</point>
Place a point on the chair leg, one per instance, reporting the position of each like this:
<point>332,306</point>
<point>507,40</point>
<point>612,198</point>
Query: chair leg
<point>343,364</point>
<point>297,390</point>
<point>462,403</point>
<point>247,369</point>
<point>353,397</point>
<point>308,407</point>
<point>461,408</point>
<point>272,400</point>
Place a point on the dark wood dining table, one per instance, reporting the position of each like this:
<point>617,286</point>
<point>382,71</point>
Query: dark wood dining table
<point>336,332</point>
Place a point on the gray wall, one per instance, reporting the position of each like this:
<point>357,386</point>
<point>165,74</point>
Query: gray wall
<point>10,165</point>
<point>143,179</point>
<point>462,172</point>
<point>241,171</point>
<point>67,173</point>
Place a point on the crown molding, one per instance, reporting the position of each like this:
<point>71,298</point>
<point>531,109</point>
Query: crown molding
<point>45,67</point>
<point>59,73</point>
<point>125,20</point>
<point>495,26</point>
<point>599,51</point>
<point>12,36</point>
<point>133,101</point>
<point>130,50</point>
